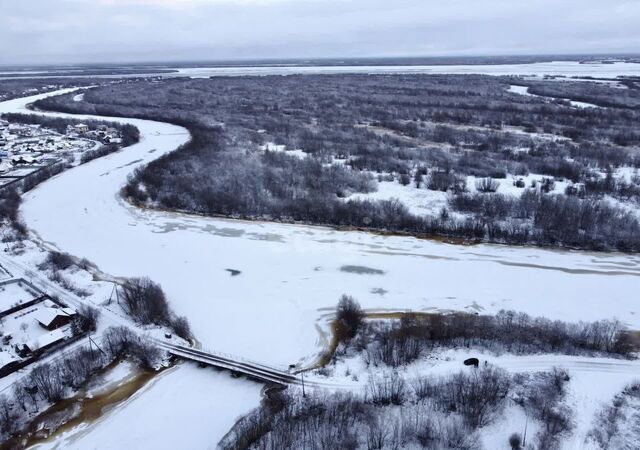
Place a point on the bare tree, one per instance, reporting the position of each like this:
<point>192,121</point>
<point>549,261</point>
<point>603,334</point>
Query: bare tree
<point>8,417</point>
<point>145,301</point>
<point>48,380</point>
<point>349,318</point>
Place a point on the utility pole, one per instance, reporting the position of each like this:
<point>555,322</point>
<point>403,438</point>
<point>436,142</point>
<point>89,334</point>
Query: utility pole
<point>524,437</point>
<point>292,367</point>
<point>115,289</point>
<point>96,344</point>
<point>91,348</point>
<point>91,341</point>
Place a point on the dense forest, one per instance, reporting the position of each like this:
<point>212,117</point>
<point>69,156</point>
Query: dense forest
<point>429,132</point>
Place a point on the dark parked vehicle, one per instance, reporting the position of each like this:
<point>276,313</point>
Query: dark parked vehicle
<point>472,362</point>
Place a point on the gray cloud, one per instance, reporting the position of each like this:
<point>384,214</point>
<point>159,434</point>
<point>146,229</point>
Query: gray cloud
<point>69,31</point>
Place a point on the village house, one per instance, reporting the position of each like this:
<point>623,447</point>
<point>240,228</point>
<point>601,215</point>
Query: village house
<point>7,362</point>
<point>54,318</point>
<point>81,128</point>
<point>44,341</point>
<point>23,160</point>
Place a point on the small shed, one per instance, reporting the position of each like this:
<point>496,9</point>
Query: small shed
<point>81,128</point>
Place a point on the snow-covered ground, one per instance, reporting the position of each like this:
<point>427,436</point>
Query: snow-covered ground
<point>594,381</point>
<point>183,408</point>
<point>16,293</point>
<point>420,202</point>
<point>424,202</point>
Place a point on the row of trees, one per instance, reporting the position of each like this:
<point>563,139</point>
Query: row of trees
<point>401,343</point>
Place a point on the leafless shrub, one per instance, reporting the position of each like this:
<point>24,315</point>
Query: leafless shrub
<point>377,434</point>
<point>445,181</point>
<point>349,318</point>
<point>19,393</point>
<point>388,389</point>
<point>423,387</point>
<point>400,343</point>
<point>180,326</point>
<point>393,350</point>
<point>609,421</point>
<point>86,319</point>
<point>80,365</point>
<point>475,395</point>
<point>547,185</point>
<point>8,417</point>
<point>57,261</point>
<point>119,341</point>
<point>487,185</point>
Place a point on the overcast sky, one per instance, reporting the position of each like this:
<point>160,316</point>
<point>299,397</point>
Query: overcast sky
<point>75,31</point>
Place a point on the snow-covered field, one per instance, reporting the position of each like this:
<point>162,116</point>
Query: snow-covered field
<point>291,276</point>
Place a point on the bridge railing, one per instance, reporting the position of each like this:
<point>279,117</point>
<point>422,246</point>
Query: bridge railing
<point>229,356</point>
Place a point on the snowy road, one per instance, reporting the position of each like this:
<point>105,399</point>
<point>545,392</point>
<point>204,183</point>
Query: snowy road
<point>291,276</point>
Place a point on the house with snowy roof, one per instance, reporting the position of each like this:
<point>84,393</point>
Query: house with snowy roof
<point>45,341</point>
<point>7,361</point>
<point>53,318</point>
